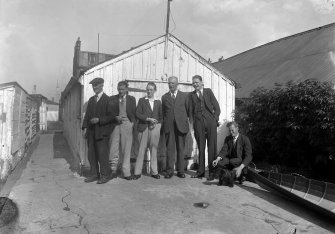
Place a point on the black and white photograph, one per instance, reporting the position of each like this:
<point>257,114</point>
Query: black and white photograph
<point>167,116</point>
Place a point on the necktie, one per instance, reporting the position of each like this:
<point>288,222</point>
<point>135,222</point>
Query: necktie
<point>200,95</point>
<point>96,98</point>
<point>173,96</point>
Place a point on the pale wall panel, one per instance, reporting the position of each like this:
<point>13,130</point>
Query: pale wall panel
<point>192,70</point>
<point>137,66</point>
<point>176,61</point>
<point>183,66</point>
<point>160,62</point>
<point>153,62</point>
<point>146,65</point>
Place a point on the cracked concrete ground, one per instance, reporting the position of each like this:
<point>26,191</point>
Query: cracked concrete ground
<point>53,199</point>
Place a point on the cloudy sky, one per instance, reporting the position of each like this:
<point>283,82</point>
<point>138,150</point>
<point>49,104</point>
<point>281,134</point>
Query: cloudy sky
<point>37,36</point>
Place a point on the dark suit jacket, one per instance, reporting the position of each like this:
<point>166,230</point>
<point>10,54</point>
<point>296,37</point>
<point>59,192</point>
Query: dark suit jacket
<point>130,107</point>
<point>144,111</point>
<point>211,104</point>
<point>177,110</point>
<point>244,149</point>
<point>102,110</point>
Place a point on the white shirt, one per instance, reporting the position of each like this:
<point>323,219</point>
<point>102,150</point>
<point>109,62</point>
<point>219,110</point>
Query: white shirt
<point>151,102</point>
<point>98,96</point>
<point>124,98</point>
<point>235,138</point>
<point>175,93</point>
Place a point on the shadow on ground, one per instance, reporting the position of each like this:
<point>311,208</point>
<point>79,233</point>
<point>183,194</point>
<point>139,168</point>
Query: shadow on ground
<point>61,149</point>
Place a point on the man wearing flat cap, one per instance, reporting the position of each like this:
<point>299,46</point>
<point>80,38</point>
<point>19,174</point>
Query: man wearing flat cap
<point>97,128</point>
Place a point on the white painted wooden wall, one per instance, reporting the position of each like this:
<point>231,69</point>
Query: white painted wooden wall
<point>17,126</point>
<point>146,63</point>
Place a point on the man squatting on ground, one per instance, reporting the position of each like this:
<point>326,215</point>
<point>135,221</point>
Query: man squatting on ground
<point>234,156</point>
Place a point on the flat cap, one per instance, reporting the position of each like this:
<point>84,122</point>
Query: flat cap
<point>97,81</point>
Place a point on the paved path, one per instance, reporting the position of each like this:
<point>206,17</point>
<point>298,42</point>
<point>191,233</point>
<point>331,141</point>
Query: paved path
<point>53,199</point>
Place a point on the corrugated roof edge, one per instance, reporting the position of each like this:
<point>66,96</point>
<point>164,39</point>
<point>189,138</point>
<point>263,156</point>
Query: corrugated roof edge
<point>39,95</point>
<point>13,83</point>
<point>171,35</point>
<point>50,102</point>
<point>280,39</point>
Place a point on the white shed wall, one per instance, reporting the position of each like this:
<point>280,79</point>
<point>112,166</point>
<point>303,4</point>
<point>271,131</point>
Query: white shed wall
<point>18,120</point>
<point>146,63</point>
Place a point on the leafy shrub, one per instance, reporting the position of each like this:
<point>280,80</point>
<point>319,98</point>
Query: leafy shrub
<point>292,125</point>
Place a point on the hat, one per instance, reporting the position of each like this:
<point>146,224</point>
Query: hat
<point>97,81</point>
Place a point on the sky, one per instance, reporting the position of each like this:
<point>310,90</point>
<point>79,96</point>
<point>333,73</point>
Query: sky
<point>37,37</point>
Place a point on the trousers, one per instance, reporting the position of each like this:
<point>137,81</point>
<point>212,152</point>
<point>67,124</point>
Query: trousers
<point>121,141</point>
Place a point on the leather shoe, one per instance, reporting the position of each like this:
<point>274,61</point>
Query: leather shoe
<point>128,177</point>
<point>91,179</point>
<point>156,176</point>
<point>241,179</point>
<point>135,177</point>
<point>197,175</point>
<point>103,180</point>
<point>168,175</point>
<point>231,181</point>
<point>181,175</point>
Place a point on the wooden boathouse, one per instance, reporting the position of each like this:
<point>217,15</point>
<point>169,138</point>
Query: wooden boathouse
<point>154,61</point>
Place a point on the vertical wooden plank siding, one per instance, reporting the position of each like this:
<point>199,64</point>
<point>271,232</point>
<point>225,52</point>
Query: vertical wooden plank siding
<point>223,98</point>
<point>200,70</point>
<point>229,102</point>
<point>160,61</point>
<point>147,63</point>
<point>183,66</point>
<point>137,66</point>
<point>169,60</point>
<point>153,62</point>
<point>176,62</point>
<point>17,126</point>
<point>191,67</point>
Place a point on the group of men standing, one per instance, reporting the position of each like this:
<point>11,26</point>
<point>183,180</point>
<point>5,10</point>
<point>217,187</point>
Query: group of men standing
<point>109,121</point>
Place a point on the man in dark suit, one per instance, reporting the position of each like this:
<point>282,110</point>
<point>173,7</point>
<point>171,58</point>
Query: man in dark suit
<point>205,112</point>
<point>175,126</point>
<point>97,129</point>
<point>125,107</point>
<point>234,156</point>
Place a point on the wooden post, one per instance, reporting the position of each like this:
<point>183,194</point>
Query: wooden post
<point>167,29</point>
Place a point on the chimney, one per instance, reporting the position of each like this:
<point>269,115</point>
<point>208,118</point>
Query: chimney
<point>76,57</point>
<point>34,89</point>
